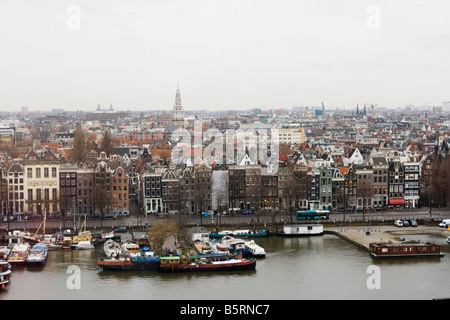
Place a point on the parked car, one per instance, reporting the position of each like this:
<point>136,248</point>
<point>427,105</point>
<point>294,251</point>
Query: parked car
<point>444,223</point>
<point>405,223</point>
<point>398,223</point>
<point>413,223</point>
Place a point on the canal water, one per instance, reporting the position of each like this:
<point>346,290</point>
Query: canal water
<point>320,268</point>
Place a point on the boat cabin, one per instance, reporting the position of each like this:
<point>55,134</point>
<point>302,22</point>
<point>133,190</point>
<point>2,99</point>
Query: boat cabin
<point>170,263</point>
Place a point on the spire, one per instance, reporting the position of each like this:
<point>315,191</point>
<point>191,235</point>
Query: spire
<point>177,112</point>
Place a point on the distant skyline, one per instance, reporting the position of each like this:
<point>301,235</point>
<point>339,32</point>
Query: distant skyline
<point>232,54</point>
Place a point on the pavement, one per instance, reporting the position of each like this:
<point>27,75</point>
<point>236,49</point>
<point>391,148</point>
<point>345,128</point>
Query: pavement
<point>363,236</point>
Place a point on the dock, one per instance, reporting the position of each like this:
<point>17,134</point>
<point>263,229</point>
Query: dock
<point>363,236</point>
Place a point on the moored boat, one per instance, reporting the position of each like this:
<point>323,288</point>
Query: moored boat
<point>83,245</point>
<point>174,263</point>
<point>19,253</point>
<point>254,249</point>
<point>299,230</point>
<point>38,254</point>
<point>112,249</point>
<point>127,263</point>
<point>5,273</point>
<point>239,234</point>
<point>405,250</point>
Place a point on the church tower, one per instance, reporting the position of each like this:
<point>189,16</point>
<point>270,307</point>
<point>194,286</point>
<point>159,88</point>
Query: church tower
<point>177,112</point>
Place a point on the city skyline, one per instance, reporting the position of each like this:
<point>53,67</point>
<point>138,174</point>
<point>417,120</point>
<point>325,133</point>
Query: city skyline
<point>236,55</point>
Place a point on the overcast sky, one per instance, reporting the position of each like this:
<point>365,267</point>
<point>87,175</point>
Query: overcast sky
<point>224,54</point>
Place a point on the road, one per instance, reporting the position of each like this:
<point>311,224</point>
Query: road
<point>241,221</point>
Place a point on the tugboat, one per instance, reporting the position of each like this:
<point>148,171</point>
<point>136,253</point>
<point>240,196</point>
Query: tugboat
<point>5,273</point>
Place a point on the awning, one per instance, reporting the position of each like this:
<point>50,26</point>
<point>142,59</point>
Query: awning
<point>396,201</point>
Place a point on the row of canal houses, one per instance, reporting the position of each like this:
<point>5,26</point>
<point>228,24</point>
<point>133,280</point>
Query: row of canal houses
<point>316,176</point>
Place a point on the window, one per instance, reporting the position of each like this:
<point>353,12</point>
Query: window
<point>46,173</point>
<point>29,173</point>
<point>38,172</point>
<point>53,172</point>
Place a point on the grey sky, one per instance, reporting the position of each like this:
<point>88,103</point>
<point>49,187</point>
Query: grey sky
<point>224,54</point>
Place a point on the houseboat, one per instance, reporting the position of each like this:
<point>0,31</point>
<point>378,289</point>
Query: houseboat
<point>298,230</point>
<point>5,273</point>
<point>239,234</point>
<point>389,250</point>
<point>174,263</point>
<point>38,254</point>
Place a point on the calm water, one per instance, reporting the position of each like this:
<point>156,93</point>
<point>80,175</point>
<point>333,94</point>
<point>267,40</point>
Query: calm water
<point>325,267</point>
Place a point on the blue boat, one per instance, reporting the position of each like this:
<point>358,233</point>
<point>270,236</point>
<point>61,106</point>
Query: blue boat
<point>38,254</point>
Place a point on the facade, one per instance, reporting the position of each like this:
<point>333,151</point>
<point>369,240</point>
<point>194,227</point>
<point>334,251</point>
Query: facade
<point>119,192</point>
<point>326,187</point>
<point>152,191</point>
<point>396,184</point>
<point>170,194</point>
<point>68,190</point>
<point>364,186</point>
<point>16,190</point>
<point>237,191</point>
<point>380,182</point>
<point>412,184</point>
<point>3,192</point>
<point>41,177</point>
<point>85,195</point>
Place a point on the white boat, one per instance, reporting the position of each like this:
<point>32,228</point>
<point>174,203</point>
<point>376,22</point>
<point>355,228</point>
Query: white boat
<point>19,253</point>
<point>296,230</point>
<point>448,240</point>
<point>4,252</point>
<point>112,249</point>
<point>5,273</point>
<point>19,248</point>
<point>83,245</point>
<point>38,254</point>
<point>254,249</point>
<point>131,248</point>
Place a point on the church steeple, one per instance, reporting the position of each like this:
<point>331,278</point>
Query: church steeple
<point>177,111</point>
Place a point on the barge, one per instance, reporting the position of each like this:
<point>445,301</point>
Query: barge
<point>405,250</point>
<point>175,264</point>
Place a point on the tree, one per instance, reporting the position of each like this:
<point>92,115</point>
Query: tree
<point>107,142</point>
<point>102,200</point>
<point>79,144</point>
<point>159,233</point>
